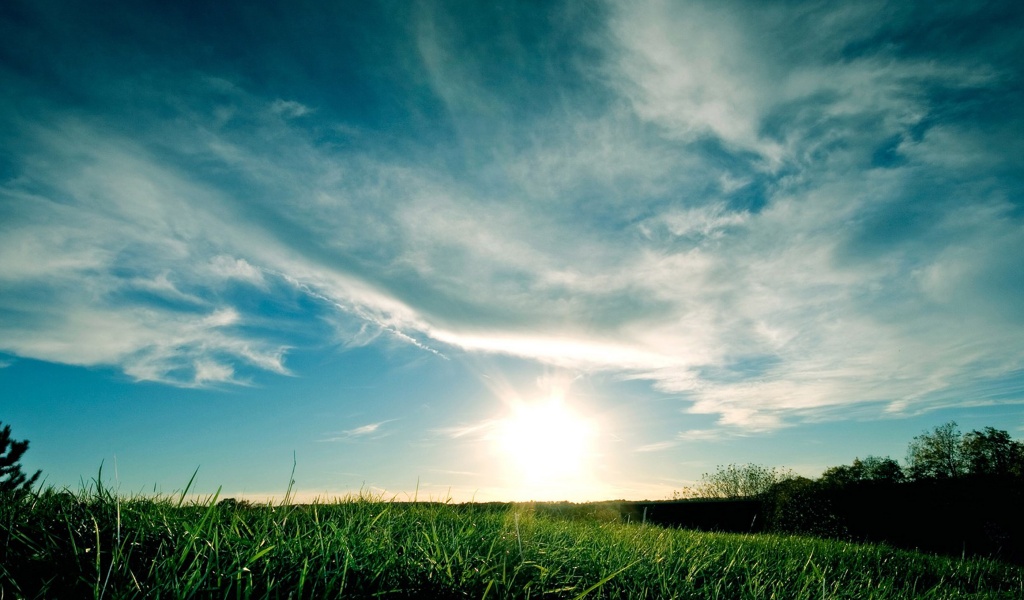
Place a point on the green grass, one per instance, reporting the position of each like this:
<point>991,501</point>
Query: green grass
<point>96,544</point>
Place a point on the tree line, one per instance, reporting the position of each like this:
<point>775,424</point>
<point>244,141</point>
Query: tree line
<point>941,454</point>
<point>956,493</point>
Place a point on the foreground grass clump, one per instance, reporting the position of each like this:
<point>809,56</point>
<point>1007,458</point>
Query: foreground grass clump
<point>93,544</point>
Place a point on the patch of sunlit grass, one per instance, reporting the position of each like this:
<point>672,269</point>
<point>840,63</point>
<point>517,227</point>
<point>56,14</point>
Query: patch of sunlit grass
<point>94,544</point>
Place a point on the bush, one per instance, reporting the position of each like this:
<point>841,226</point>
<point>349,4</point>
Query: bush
<point>740,481</point>
<point>801,505</point>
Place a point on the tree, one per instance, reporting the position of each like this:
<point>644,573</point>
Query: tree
<point>882,469</point>
<point>740,481</point>
<point>993,452</point>
<point>12,480</point>
<point>844,475</point>
<point>872,468</point>
<point>937,455</point>
<point>946,453</point>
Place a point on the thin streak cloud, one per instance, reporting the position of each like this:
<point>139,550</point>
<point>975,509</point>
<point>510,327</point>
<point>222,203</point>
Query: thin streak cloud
<point>363,431</point>
<point>767,212</point>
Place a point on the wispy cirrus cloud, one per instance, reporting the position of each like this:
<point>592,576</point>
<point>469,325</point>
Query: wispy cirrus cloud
<point>363,431</point>
<point>479,431</point>
<point>656,446</point>
<point>770,211</point>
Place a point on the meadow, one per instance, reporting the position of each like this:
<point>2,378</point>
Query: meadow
<point>95,543</point>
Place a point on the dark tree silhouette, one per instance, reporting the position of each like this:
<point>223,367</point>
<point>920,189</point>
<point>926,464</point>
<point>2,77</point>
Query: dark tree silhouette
<point>872,468</point>
<point>12,479</point>
<point>993,452</point>
<point>882,469</point>
<point>937,455</point>
<point>945,453</point>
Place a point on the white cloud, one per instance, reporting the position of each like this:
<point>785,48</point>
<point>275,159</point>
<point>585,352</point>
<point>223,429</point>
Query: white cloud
<point>692,69</point>
<point>656,447</point>
<point>207,371</point>
<point>703,435</point>
<point>228,267</point>
<point>765,284</point>
<point>290,108</point>
<point>609,236</point>
<point>125,226</point>
<point>365,429</point>
<point>482,430</point>
<point>162,286</point>
<point>729,71</point>
<point>705,221</point>
<point>370,429</point>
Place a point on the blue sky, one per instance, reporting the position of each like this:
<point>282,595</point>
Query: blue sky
<point>432,245</point>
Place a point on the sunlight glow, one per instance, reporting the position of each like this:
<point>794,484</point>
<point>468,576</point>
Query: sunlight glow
<point>547,446</point>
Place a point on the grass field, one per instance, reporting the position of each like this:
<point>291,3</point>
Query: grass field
<point>96,544</point>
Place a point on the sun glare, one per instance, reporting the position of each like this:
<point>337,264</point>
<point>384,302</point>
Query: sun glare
<point>547,445</point>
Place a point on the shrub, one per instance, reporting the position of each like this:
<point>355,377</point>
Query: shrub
<point>740,481</point>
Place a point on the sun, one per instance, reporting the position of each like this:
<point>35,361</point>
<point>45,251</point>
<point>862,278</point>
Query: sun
<point>546,444</point>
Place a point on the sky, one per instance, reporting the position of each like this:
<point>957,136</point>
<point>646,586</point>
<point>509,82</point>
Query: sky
<point>574,250</point>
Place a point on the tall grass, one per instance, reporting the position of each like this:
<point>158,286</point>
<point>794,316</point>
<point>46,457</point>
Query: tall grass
<point>93,543</point>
